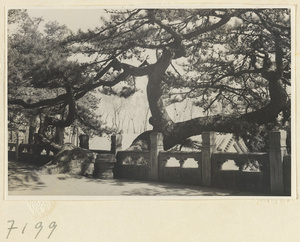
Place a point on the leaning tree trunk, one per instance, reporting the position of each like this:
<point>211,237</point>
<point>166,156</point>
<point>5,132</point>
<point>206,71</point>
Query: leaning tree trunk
<point>160,119</point>
<point>175,133</point>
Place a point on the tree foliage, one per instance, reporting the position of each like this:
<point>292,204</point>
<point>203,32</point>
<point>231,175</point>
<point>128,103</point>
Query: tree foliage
<point>43,78</point>
<point>234,63</point>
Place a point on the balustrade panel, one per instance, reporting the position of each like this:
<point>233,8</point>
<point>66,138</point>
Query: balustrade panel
<point>180,167</point>
<point>132,165</point>
<point>241,171</point>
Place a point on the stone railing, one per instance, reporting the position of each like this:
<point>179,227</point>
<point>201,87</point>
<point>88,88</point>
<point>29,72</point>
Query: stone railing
<point>128,157</point>
<point>12,151</point>
<point>246,171</point>
<point>287,173</point>
<point>28,148</point>
<point>181,156</point>
<point>242,161</point>
<point>29,152</point>
<point>186,167</point>
<point>12,146</point>
<point>132,165</point>
<point>264,172</point>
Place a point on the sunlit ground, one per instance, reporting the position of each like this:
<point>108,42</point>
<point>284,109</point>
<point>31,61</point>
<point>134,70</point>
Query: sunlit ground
<point>26,180</point>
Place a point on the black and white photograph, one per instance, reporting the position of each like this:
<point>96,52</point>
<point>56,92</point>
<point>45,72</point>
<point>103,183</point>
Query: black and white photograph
<point>150,102</point>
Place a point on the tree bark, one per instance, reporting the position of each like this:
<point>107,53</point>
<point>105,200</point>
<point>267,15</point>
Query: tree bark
<point>32,130</point>
<point>175,133</point>
<point>160,119</point>
<point>56,144</point>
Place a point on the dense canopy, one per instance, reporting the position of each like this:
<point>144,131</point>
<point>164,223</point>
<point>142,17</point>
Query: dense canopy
<point>234,64</point>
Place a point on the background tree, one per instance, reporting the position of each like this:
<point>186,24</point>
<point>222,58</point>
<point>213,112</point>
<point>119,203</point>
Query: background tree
<point>42,80</point>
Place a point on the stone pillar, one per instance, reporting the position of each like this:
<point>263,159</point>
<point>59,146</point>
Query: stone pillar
<point>208,147</point>
<point>17,146</point>
<point>156,140</point>
<point>104,165</point>
<point>276,153</point>
<point>84,141</point>
<point>116,143</point>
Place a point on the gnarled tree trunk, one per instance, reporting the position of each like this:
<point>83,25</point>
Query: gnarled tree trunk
<point>175,133</point>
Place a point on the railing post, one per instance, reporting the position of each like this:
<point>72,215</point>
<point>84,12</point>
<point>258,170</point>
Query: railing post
<point>17,146</point>
<point>84,141</point>
<point>277,151</point>
<point>116,143</point>
<point>156,140</point>
<point>208,147</point>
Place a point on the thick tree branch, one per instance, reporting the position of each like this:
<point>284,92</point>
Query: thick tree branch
<point>278,53</point>
<point>137,71</point>
<point>70,101</point>
<point>128,70</point>
<point>177,37</point>
<point>212,27</point>
<point>44,103</point>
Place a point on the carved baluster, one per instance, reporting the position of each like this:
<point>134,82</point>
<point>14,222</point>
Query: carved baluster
<point>239,162</point>
<point>181,162</point>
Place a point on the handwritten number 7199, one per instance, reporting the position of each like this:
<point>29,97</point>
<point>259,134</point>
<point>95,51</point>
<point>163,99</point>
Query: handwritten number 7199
<point>38,226</point>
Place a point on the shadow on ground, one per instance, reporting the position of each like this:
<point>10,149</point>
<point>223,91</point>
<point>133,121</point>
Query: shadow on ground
<point>23,176</point>
<point>142,188</point>
<point>27,179</point>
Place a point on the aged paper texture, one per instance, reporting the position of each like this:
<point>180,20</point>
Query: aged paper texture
<point>148,219</point>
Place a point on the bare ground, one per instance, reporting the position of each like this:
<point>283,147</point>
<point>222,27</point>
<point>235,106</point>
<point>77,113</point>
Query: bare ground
<point>25,179</point>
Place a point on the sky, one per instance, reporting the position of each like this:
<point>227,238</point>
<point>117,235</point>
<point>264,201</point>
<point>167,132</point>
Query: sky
<point>74,19</point>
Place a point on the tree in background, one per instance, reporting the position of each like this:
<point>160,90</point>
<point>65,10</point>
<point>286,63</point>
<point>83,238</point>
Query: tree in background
<point>42,81</point>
